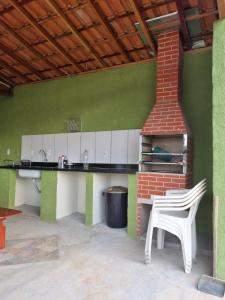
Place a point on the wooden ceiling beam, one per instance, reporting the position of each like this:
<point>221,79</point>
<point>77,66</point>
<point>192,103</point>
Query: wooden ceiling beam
<point>11,53</point>
<point>183,24</point>
<point>154,28</point>
<point>28,46</point>
<point>14,71</point>
<point>76,33</point>
<point>108,28</point>
<point>8,82</point>
<point>221,8</point>
<point>143,25</point>
<point>8,92</point>
<point>176,22</point>
<point>145,7</point>
<point>44,33</point>
<point>85,61</point>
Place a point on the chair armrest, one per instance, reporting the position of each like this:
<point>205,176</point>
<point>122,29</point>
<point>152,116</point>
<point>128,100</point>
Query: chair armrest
<point>169,197</point>
<point>177,192</point>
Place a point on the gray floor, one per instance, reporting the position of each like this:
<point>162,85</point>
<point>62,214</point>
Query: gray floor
<point>95,263</point>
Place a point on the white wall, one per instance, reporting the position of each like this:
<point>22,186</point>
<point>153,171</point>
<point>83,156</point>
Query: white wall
<point>101,183</point>
<point>26,192</point>
<point>71,191</point>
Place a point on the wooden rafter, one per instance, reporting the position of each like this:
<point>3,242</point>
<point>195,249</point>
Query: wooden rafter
<point>184,27</point>
<point>11,53</point>
<point>44,33</point>
<point>69,37</point>
<point>108,28</point>
<point>13,70</point>
<point>28,46</point>
<point>160,26</point>
<point>76,33</point>
<point>6,80</point>
<point>8,92</point>
<point>221,8</point>
<point>143,25</point>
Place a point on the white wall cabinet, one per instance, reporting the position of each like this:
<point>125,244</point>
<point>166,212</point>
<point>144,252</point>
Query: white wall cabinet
<point>49,146</point>
<point>26,147</point>
<point>36,146</point>
<point>119,147</point>
<point>103,147</point>
<point>74,140</point>
<point>88,143</point>
<point>60,145</point>
<point>133,146</point>
<point>116,147</point>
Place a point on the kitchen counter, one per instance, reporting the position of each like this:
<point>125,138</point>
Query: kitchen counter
<point>93,168</point>
<point>69,190</point>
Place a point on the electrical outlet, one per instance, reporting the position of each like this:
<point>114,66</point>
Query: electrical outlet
<point>8,151</point>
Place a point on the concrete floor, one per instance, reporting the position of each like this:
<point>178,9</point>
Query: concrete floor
<point>96,263</point>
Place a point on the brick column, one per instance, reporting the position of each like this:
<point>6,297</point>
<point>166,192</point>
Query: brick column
<point>167,116</point>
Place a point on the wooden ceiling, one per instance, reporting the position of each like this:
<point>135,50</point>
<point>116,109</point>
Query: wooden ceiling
<point>47,39</point>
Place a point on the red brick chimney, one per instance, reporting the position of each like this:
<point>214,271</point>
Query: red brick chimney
<point>166,116</point>
<point>166,120</point>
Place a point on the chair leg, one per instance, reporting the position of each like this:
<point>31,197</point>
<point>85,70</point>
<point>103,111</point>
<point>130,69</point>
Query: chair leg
<point>194,239</point>
<point>160,238</point>
<point>148,242</point>
<point>187,249</point>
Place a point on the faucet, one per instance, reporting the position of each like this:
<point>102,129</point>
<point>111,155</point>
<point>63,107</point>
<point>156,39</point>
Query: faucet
<point>44,154</point>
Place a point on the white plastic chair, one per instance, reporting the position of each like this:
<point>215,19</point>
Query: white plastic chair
<point>175,212</point>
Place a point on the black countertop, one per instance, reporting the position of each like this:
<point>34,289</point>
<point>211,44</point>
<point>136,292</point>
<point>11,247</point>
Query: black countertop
<point>93,168</point>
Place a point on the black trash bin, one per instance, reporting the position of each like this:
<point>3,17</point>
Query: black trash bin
<point>116,206</point>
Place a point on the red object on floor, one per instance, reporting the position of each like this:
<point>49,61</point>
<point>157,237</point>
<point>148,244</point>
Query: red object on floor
<point>5,213</point>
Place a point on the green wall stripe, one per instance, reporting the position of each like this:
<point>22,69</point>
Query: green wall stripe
<point>48,195</point>
<point>219,139</point>
<point>89,199</point>
<point>132,202</point>
<point>7,188</point>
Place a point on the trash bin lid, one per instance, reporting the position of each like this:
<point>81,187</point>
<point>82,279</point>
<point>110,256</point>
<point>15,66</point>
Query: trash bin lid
<point>117,190</point>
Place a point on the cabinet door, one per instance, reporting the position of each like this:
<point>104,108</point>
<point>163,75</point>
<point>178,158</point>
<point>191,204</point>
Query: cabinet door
<point>103,147</point>
<point>36,146</point>
<point>119,147</point>
<point>49,146</point>
<point>26,147</point>
<point>133,146</point>
<point>60,145</point>
<point>74,140</point>
<point>88,143</point>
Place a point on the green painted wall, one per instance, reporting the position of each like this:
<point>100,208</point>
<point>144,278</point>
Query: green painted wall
<point>120,98</point>
<point>132,203</point>
<point>89,199</point>
<point>219,139</point>
<point>48,195</point>
<point>115,99</point>
<point>7,188</point>
<point>198,110</point>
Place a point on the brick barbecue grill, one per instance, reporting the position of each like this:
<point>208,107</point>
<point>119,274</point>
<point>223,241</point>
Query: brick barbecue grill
<point>165,149</point>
